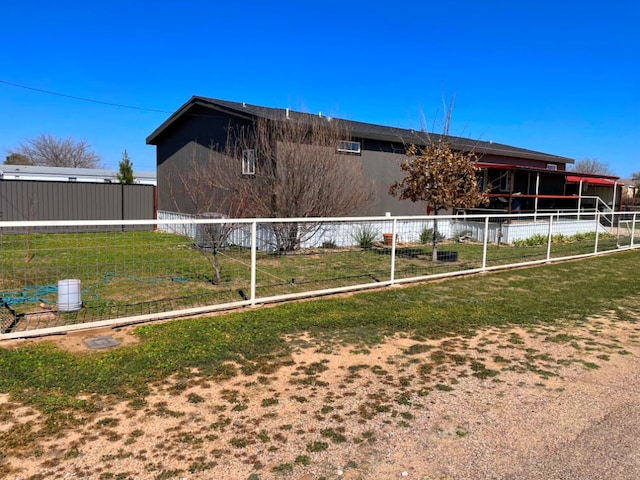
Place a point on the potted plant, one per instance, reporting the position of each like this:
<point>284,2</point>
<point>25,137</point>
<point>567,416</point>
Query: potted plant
<point>388,238</point>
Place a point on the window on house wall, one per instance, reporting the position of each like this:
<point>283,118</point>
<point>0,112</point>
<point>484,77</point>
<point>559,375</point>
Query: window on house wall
<point>249,162</point>
<point>505,182</point>
<point>347,146</point>
<point>481,178</point>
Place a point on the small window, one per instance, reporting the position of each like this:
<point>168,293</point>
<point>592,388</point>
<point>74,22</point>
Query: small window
<point>481,179</point>
<point>73,179</point>
<point>505,182</point>
<point>249,162</point>
<point>552,166</point>
<point>347,146</point>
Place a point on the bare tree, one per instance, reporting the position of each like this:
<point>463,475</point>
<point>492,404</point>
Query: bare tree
<point>441,177</point>
<point>592,165</point>
<point>47,150</point>
<point>214,189</point>
<point>274,169</point>
<point>301,172</point>
<point>635,178</point>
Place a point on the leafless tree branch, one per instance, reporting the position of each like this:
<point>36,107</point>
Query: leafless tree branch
<point>47,150</point>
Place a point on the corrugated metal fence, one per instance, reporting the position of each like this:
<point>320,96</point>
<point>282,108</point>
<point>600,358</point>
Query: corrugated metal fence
<point>24,200</point>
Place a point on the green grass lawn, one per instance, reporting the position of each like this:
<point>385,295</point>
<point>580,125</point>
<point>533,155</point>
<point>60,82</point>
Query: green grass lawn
<point>131,273</point>
<point>63,385</point>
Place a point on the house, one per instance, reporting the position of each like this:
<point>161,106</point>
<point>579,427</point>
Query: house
<point>630,197</point>
<point>68,174</point>
<point>519,180</point>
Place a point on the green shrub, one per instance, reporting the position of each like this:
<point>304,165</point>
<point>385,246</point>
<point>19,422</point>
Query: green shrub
<point>329,244</point>
<point>426,235</point>
<point>365,235</point>
<point>579,237</point>
<point>539,239</point>
<point>533,241</point>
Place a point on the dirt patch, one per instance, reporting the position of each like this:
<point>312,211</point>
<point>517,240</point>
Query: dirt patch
<point>74,341</point>
<point>457,408</point>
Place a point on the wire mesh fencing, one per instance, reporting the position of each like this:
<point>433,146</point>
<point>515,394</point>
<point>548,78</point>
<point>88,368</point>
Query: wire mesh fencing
<point>62,275</point>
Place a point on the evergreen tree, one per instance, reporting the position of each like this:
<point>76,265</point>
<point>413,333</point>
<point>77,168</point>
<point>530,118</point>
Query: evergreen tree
<point>17,159</point>
<point>125,172</point>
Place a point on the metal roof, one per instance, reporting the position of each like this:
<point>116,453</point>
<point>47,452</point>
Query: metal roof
<point>27,171</point>
<point>356,129</point>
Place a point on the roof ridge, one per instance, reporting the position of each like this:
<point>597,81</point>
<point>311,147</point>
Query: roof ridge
<point>359,129</point>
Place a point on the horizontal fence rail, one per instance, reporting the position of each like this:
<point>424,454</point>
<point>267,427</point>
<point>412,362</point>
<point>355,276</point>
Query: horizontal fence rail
<point>63,275</point>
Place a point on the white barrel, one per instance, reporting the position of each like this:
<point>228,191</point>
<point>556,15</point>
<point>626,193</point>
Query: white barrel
<point>69,295</point>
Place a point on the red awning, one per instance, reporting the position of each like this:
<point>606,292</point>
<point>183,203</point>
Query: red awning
<point>591,181</point>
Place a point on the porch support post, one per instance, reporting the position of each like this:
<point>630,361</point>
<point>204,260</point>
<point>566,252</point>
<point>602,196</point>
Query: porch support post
<point>579,198</point>
<point>535,206</point>
<point>511,182</point>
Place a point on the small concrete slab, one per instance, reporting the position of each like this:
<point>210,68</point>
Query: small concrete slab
<point>105,341</point>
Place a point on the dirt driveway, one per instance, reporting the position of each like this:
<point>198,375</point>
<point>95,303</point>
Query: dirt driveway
<point>504,404</point>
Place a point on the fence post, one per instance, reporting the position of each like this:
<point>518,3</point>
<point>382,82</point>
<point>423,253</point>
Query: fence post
<point>579,197</point>
<point>122,203</point>
<point>633,228</point>
<point>597,231</point>
<point>485,242</point>
<point>394,230</point>
<point>549,237</point>
<point>254,249</point>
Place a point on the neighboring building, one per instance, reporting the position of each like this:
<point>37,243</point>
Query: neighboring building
<point>519,179</point>
<point>67,174</point>
<point>630,194</point>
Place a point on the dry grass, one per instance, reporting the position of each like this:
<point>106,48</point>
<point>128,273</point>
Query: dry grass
<point>456,407</point>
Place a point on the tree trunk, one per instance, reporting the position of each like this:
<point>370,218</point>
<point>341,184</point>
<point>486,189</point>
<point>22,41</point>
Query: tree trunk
<point>434,244</point>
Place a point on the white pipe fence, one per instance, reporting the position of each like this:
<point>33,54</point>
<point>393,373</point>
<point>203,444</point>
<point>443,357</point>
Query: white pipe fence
<point>179,265</point>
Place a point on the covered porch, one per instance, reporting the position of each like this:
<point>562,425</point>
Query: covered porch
<point>516,189</point>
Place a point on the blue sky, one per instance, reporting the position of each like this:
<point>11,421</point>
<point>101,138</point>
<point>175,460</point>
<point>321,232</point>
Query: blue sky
<point>557,77</point>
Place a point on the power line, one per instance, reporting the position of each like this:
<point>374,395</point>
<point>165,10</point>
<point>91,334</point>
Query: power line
<point>48,92</point>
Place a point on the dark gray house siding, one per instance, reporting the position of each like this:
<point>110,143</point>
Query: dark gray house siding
<point>384,168</point>
<point>203,123</point>
<point>194,137</point>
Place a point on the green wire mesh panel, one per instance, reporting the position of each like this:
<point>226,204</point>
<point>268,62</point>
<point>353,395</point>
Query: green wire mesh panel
<point>7,319</point>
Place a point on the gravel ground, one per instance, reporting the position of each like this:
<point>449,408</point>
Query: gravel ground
<point>505,404</point>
